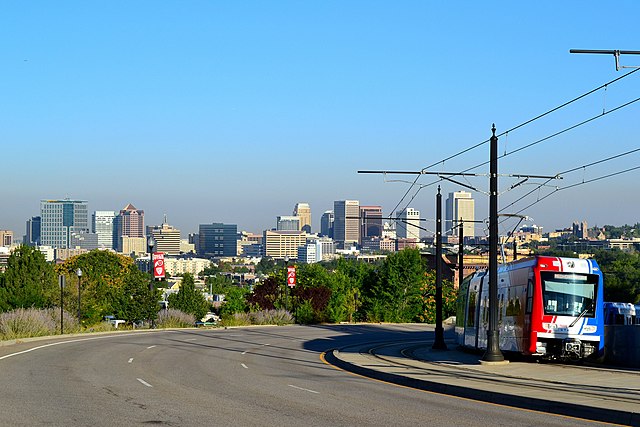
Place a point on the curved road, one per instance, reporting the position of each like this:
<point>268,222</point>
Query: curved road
<point>240,377</point>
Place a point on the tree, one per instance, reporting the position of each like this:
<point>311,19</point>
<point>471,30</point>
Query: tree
<point>137,302</point>
<point>29,281</point>
<point>234,300</point>
<point>266,295</point>
<point>396,295</point>
<point>111,284</point>
<point>449,297</point>
<point>189,299</point>
<point>266,265</point>
<point>219,283</point>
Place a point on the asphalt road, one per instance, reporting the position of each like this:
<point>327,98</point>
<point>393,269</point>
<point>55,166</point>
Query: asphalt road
<point>260,376</point>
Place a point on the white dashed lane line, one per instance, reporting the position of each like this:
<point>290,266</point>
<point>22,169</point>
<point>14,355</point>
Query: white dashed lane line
<point>143,382</point>
<point>130,360</point>
<point>244,366</point>
<point>304,389</point>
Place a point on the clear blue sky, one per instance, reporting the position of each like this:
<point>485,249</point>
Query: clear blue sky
<point>212,111</point>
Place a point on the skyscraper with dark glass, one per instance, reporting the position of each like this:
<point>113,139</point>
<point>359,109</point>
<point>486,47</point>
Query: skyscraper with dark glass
<point>218,240</point>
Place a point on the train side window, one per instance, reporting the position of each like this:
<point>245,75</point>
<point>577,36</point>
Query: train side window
<point>529,307</point>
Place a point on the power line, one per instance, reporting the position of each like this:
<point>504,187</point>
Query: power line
<point>532,144</point>
<point>572,170</point>
<point>578,184</point>
<point>605,85</point>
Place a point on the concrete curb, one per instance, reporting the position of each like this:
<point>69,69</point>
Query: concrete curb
<point>572,410</point>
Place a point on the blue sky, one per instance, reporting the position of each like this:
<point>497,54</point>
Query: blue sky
<point>212,111</point>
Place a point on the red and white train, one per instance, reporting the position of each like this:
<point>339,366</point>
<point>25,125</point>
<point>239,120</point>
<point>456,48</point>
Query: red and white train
<point>547,306</point>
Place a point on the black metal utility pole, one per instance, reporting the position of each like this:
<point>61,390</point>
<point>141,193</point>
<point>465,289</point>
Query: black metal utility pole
<point>493,353</point>
<point>515,249</point>
<point>460,253</point>
<point>439,343</point>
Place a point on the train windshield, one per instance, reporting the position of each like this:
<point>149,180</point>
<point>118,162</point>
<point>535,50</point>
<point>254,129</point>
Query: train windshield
<point>569,294</point>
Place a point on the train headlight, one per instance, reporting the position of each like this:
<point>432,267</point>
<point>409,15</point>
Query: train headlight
<point>541,347</point>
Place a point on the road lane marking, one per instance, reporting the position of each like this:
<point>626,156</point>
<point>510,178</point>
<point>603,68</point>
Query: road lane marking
<point>244,366</point>
<point>144,382</point>
<point>191,339</point>
<point>151,346</point>
<point>130,360</point>
<point>74,341</point>
<point>246,351</point>
<point>304,389</point>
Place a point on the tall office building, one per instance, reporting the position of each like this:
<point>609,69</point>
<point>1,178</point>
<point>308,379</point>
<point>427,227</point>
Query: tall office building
<point>128,223</point>
<point>303,211</point>
<point>32,236</point>
<point>218,240</point>
<point>102,224</point>
<point>370,222</point>
<point>60,219</point>
<point>408,224</point>
<point>283,244</point>
<point>346,223</point>
<point>460,206</point>
<point>288,223</point>
<point>167,238</point>
<point>326,224</point>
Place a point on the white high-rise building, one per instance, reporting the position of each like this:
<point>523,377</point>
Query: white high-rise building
<point>460,206</point>
<point>346,222</point>
<point>408,224</point>
<point>102,225</point>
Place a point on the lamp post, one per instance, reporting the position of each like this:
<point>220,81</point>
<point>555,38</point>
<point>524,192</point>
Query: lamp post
<point>79,274</point>
<point>286,284</point>
<point>151,243</point>
<point>61,280</point>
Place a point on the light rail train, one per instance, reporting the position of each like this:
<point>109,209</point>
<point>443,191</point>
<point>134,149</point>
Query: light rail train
<point>548,307</point>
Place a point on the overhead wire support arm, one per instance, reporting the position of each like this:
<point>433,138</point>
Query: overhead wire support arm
<point>616,54</point>
<point>422,172</point>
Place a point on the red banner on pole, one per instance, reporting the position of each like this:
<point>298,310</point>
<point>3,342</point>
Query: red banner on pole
<point>158,265</point>
<point>291,276</point>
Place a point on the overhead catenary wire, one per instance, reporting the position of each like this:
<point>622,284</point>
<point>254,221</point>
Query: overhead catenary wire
<point>529,145</point>
<point>578,184</point>
<point>605,85</point>
<point>583,167</point>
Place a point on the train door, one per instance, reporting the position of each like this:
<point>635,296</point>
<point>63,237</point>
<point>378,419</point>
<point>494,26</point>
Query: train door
<point>471,317</point>
<point>482,312</point>
<point>461,310</point>
<point>528,309</point>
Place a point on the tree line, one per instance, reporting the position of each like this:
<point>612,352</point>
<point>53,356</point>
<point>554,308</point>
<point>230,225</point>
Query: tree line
<point>400,288</point>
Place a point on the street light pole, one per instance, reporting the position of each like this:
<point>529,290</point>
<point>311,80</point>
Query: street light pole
<point>61,279</point>
<point>151,244</point>
<point>286,284</point>
<point>79,274</point>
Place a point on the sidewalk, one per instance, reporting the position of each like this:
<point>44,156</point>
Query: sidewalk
<point>595,393</point>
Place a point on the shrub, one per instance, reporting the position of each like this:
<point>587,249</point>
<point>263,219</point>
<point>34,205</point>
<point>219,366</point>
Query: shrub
<point>173,318</point>
<point>236,319</point>
<point>304,313</point>
<point>32,322</point>
<point>271,317</point>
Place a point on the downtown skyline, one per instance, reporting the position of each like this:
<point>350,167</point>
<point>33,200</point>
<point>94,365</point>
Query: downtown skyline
<point>236,112</point>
